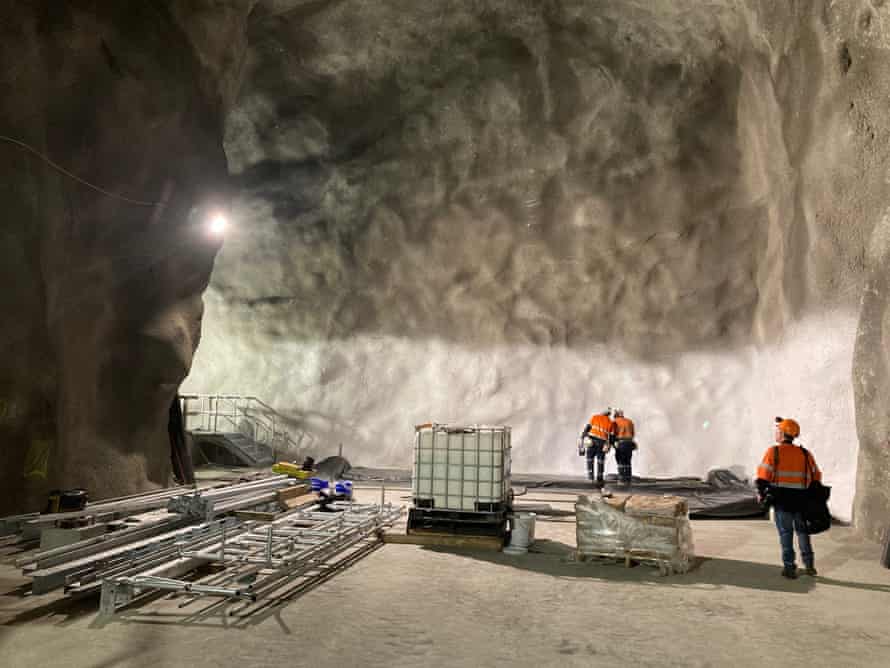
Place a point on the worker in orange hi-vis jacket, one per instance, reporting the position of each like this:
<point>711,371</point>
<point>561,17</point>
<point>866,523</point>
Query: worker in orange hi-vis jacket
<point>623,436</point>
<point>595,443</point>
<point>782,480</point>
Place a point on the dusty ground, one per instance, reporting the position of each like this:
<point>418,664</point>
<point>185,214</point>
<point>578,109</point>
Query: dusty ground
<point>410,606</point>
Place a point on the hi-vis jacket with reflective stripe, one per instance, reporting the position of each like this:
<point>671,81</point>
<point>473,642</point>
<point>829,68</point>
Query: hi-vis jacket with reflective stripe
<point>623,428</point>
<point>792,471</point>
<point>599,427</point>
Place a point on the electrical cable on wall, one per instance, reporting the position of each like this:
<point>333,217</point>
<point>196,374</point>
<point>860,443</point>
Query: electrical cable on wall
<point>64,171</point>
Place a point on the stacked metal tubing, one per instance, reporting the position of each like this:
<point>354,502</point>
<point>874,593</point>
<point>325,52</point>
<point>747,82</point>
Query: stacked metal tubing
<point>80,566</point>
<point>164,545</point>
<point>105,510</point>
<point>207,503</point>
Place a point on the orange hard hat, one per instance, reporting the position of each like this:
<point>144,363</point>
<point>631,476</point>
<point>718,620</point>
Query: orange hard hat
<point>788,427</point>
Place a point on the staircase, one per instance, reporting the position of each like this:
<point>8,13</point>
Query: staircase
<point>236,430</point>
<point>231,450</point>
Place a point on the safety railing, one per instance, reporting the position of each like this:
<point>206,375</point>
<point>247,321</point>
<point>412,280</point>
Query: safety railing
<point>247,415</point>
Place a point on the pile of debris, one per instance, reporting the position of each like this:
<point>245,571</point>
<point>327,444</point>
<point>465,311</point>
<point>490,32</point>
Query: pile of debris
<point>636,528</point>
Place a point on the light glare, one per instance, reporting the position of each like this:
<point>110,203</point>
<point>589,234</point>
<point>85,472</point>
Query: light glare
<point>218,225</point>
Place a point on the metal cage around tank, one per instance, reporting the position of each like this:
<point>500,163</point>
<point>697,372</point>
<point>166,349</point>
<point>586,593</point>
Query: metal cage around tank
<point>461,468</point>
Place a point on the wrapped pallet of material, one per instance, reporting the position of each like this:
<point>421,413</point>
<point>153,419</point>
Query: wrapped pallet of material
<point>599,528</point>
<point>662,537</point>
<point>663,506</point>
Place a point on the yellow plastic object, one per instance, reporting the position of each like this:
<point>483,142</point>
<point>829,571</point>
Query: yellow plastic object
<point>37,458</point>
<point>290,469</point>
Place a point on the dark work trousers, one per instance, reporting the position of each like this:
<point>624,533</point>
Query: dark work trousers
<point>789,523</point>
<point>597,450</point>
<point>624,451</point>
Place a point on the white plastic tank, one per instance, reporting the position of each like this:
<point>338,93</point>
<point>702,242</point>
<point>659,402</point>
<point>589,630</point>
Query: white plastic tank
<point>461,468</point>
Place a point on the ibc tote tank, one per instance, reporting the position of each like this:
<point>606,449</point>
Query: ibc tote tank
<point>461,468</point>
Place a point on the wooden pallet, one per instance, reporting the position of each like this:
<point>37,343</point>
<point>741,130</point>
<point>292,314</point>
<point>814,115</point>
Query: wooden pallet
<point>288,499</point>
<point>629,558</point>
<point>604,557</point>
<point>456,522</point>
<point>487,543</point>
<point>399,535</point>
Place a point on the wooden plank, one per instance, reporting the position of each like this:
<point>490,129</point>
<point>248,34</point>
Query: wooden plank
<point>616,501</point>
<point>292,492</point>
<point>297,501</point>
<point>288,503</point>
<point>667,506</point>
<point>255,516</point>
<point>494,543</point>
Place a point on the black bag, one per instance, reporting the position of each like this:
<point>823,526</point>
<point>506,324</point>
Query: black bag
<point>816,515</point>
<point>813,502</point>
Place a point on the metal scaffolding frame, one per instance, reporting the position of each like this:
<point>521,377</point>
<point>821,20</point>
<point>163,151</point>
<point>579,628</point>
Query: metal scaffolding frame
<point>149,538</point>
<point>194,544</point>
<point>259,559</point>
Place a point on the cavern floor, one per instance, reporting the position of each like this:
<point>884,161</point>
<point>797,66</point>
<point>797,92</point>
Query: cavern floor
<point>411,606</point>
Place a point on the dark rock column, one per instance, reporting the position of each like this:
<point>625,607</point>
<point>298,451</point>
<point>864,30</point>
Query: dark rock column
<point>103,285</point>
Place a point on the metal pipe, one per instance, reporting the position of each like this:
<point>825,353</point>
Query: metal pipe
<point>241,503</point>
<point>178,585</point>
<point>50,578</point>
<point>99,544</point>
<point>274,482</point>
<point>165,555</point>
<point>106,510</point>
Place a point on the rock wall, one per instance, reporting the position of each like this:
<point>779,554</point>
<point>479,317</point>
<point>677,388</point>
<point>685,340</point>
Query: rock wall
<point>864,192</point>
<point>521,212</point>
<point>491,210</point>
<point>102,304</point>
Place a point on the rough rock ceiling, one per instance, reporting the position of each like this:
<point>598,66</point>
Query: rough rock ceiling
<point>519,211</point>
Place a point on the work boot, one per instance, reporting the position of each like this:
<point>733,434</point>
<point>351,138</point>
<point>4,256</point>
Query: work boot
<point>789,572</point>
<point>811,570</point>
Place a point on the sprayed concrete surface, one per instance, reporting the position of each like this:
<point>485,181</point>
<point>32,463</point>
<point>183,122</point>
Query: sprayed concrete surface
<point>412,606</point>
<point>550,208</point>
<point>694,412</point>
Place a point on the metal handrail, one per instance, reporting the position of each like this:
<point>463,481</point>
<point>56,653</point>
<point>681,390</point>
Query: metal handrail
<point>234,410</point>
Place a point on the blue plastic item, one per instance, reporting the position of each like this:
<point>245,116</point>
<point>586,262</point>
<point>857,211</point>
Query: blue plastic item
<point>338,487</point>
